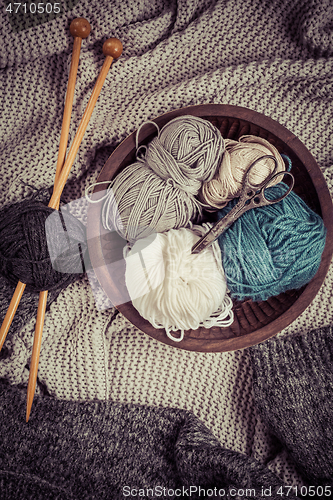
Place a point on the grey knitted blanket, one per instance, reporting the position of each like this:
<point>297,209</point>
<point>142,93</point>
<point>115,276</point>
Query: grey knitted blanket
<point>107,450</point>
<point>274,57</point>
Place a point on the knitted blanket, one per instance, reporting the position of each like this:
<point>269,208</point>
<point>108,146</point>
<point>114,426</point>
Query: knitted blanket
<point>272,57</point>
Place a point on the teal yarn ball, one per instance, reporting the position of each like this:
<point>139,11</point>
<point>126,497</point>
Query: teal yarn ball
<point>272,249</point>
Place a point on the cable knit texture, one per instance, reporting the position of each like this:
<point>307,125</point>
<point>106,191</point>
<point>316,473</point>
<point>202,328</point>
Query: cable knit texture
<point>272,57</point>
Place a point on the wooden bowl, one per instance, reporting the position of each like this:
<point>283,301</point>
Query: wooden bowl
<point>254,321</point>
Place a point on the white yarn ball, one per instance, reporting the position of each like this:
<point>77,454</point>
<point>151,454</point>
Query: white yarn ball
<point>174,289</point>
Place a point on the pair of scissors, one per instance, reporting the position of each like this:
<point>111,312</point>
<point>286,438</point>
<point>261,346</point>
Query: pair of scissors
<point>252,196</point>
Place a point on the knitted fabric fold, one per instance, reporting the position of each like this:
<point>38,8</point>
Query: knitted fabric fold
<point>293,387</point>
<point>105,450</point>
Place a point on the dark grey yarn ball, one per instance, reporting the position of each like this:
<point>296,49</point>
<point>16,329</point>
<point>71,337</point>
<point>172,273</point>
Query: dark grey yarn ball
<point>24,246</point>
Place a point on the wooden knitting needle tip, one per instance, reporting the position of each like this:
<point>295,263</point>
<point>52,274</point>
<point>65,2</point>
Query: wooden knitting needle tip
<point>112,49</point>
<point>14,303</point>
<point>36,351</point>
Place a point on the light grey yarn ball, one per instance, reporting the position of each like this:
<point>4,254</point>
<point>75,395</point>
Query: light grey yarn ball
<point>158,192</point>
<point>142,203</point>
<point>188,150</point>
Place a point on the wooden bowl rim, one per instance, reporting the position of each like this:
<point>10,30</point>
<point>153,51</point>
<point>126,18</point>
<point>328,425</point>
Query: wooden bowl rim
<point>302,302</point>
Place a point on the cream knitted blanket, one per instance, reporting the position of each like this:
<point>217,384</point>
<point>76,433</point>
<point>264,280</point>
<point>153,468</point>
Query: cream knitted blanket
<point>272,57</point>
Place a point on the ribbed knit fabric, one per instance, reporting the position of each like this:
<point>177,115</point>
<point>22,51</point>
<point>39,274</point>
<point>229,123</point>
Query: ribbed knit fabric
<point>273,57</point>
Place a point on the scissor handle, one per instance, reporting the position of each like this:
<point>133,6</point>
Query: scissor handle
<point>258,198</point>
<point>253,195</point>
<point>262,184</point>
<point>276,200</point>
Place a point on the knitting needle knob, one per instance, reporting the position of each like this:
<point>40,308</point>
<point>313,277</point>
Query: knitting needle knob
<point>113,47</point>
<point>80,27</point>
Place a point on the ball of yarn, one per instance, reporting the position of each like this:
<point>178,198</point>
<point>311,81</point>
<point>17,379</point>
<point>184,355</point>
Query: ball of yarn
<point>159,192</point>
<point>238,157</point>
<point>272,249</point>
<point>24,254</point>
<point>174,289</point>
<point>67,243</point>
<point>189,150</point>
<point>140,203</point>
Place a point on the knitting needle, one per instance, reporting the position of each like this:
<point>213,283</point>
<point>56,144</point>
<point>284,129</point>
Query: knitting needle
<point>79,29</point>
<point>14,303</point>
<point>112,49</point>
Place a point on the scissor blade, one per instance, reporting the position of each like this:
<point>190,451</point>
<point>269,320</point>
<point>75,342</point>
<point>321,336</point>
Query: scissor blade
<point>214,232</point>
<point>206,240</point>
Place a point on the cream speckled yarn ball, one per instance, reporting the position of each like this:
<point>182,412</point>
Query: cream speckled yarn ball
<point>238,157</point>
